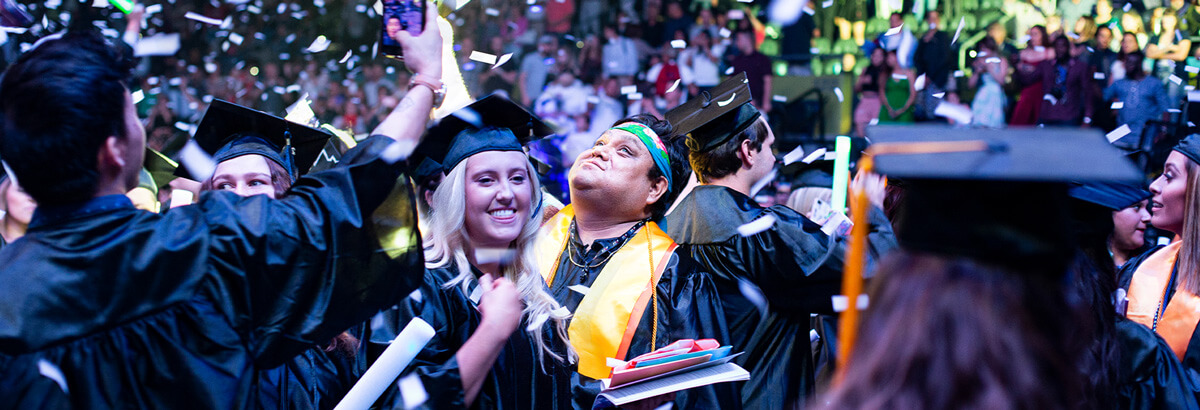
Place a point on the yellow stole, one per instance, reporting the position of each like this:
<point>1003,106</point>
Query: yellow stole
<point>604,323</point>
<point>1146,291</point>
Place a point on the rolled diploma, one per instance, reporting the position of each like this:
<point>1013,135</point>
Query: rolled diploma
<point>399,353</point>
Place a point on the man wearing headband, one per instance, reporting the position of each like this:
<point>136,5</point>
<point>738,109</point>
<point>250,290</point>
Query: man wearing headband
<point>607,261</point>
<point>795,267</point>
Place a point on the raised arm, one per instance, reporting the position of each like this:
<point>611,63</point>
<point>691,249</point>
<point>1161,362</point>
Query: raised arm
<point>423,55</point>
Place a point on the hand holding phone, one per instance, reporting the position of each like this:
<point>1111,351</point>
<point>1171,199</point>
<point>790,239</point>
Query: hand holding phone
<point>400,15</point>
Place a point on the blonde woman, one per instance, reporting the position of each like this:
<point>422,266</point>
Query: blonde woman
<point>16,210</point>
<point>501,338</point>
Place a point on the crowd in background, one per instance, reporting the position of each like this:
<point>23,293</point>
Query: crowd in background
<point>1123,67</point>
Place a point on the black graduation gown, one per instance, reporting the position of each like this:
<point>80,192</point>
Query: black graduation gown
<point>1191,358</point>
<point>688,308</point>
<point>516,380</point>
<point>795,266</point>
<point>179,310</point>
<point>1149,375</point>
<point>315,379</point>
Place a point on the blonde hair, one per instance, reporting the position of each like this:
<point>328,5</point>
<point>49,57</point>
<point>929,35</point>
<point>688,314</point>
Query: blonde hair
<point>801,200</point>
<point>1189,252</point>
<point>447,241</point>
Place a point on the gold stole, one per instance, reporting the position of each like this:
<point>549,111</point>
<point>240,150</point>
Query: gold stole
<point>608,316</point>
<point>1146,290</point>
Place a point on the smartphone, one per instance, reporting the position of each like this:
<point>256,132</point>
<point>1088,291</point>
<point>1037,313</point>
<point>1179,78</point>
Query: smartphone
<point>407,15</point>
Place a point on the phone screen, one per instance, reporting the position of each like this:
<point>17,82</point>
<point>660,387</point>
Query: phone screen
<point>407,15</point>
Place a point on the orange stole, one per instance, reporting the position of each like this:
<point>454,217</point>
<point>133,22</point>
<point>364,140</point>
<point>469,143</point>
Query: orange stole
<point>608,316</point>
<point>1177,323</point>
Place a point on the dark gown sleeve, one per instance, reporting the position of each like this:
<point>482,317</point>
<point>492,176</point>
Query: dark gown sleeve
<point>798,267</point>
<point>436,364</point>
<point>298,270</point>
<point>695,312</point>
<point>1150,376</point>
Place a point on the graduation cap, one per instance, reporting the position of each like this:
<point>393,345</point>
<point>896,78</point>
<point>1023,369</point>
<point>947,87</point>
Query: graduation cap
<point>993,195</point>
<point>493,123</point>
<point>819,174</point>
<point>716,115</point>
<point>1114,196</point>
<point>229,131</point>
<point>159,168</point>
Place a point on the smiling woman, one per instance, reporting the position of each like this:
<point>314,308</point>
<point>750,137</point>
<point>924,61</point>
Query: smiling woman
<point>502,339</point>
<point>1163,283</point>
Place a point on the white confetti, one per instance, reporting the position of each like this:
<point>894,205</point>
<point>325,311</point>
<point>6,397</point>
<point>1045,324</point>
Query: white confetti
<point>724,33</point>
<point>757,225</point>
<point>1192,69</point>
<point>961,20</point>
<point>813,336</point>
<point>754,295</point>
<point>52,372</point>
<point>727,101</point>
<point>153,8</point>
<point>537,321</point>
<point>958,73</point>
<point>1193,96</point>
<point>1127,7</point>
<point>197,162</point>
<point>919,84</point>
<point>503,59</point>
<point>992,60</point>
<point>635,96</point>
<point>476,294</point>
<point>762,183</point>
<point>729,71</point>
<point>1116,134</point>
<point>378,7</point>
<point>191,15</point>
<point>827,4</point>
<point>614,362</point>
<point>492,12</point>
<point>1174,110</point>
<point>157,45</point>
<point>628,89</point>
<point>318,45</point>
<point>580,289</point>
<point>813,156</point>
<point>138,96</point>
<point>786,13</point>
<point>412,391</point>
<point>893,31</point>
<point>779,98</point>
<point>236,38</point>
<point>1050,98</point>
<point>561,311</point>
<point>939,95</point>
<point>346,57</point>
<point>1117,105</point>
<point>838,91</point>
<point>678,44</point>
<point>959,113</point>
<point>796,154</point>
<point>1175,79</point>
<point>842,302</point>
<point>674,85</point>
<point>736,14</point>
<point>1098,76</point>
<point>416,296</point>
<point>483,57</point>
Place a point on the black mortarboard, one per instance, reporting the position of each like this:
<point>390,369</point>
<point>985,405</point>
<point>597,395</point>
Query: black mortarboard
<point>229,130</point>
<point>1189,147</point>
<point>819,173</point>
<point>493,123</point>
<point>1114,196</point>
<point>1001,198</point>
<point>160,168</point>
<point>715,115</point>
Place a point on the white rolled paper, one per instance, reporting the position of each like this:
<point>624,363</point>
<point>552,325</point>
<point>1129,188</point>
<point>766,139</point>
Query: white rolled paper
<point>383,373</point>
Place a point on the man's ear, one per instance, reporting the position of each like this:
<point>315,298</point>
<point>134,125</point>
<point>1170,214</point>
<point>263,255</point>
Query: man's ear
<point>746,154</point>
<point>658,189</point>
<point>111,158</point>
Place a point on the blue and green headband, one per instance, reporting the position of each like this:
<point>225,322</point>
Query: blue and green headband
<point>654,144</point>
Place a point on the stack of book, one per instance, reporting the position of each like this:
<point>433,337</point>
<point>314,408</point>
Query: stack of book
<point>682,365</point>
